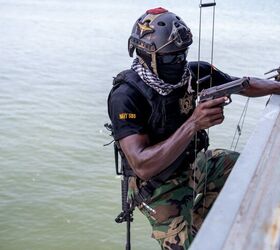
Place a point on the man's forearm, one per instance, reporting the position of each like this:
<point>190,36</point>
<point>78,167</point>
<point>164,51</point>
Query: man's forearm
<point>261,87</point>
<point>148,161</point>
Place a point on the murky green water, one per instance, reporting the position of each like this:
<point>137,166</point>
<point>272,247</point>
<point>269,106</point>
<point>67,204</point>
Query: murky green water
<point>58,189</point>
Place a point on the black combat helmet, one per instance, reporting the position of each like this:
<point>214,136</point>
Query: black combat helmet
<point>158,31</point>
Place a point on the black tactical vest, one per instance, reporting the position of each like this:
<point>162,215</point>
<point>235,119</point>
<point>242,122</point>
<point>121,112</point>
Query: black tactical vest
<point>168,113</point>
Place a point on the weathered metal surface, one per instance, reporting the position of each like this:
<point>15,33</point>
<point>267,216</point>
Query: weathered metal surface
<point>246,214</point>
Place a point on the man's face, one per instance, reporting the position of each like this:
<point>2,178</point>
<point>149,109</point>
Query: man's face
<point>172,58</point>
<point>171,67</point>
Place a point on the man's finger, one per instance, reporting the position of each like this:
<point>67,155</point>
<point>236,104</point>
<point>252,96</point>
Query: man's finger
<point>216,110</point>
<point>215,102</point>
<point>218,121</point>
<point>216,117</point>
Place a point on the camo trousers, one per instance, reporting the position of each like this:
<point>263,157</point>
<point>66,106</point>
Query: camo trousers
<point>182,203</point>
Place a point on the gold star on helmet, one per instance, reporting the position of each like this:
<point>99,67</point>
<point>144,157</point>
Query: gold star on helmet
<point>145,29</point>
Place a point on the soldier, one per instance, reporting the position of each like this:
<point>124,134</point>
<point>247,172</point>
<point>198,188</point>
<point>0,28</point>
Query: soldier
<point>161,132</point>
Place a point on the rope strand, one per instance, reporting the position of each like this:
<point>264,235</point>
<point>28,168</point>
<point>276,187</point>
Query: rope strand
<point>239,127</point>
<point>197,89</point>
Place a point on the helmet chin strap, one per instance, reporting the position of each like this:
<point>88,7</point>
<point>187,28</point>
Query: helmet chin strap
<point>154,63</point>
<point>154,55</point>
<point>141,61</point>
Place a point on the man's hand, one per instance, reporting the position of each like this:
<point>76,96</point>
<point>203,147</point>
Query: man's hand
<point>209,113</point>
<point>148,160</point>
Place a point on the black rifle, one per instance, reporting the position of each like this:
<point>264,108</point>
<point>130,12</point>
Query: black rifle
<point>127,210</point>
<point>125,172</point>
<point>226,89</point>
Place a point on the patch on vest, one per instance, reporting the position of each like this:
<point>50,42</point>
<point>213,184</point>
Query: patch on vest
<point>123,116</point>
<point>186,104</point>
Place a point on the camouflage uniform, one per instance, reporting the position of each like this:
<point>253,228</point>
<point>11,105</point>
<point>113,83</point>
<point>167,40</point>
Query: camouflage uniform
<point>182,203</point>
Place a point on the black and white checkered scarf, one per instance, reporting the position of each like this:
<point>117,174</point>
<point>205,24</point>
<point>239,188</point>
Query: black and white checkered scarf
<point>156,83</point>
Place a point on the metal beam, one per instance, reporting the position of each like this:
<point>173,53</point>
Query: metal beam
<point>246,215</point>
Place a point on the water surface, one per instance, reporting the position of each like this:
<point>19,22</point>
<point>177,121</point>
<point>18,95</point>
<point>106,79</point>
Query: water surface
<point>58,188</point>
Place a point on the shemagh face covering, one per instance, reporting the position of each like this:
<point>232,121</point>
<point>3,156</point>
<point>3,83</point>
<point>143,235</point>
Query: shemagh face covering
<point>167,73</point>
